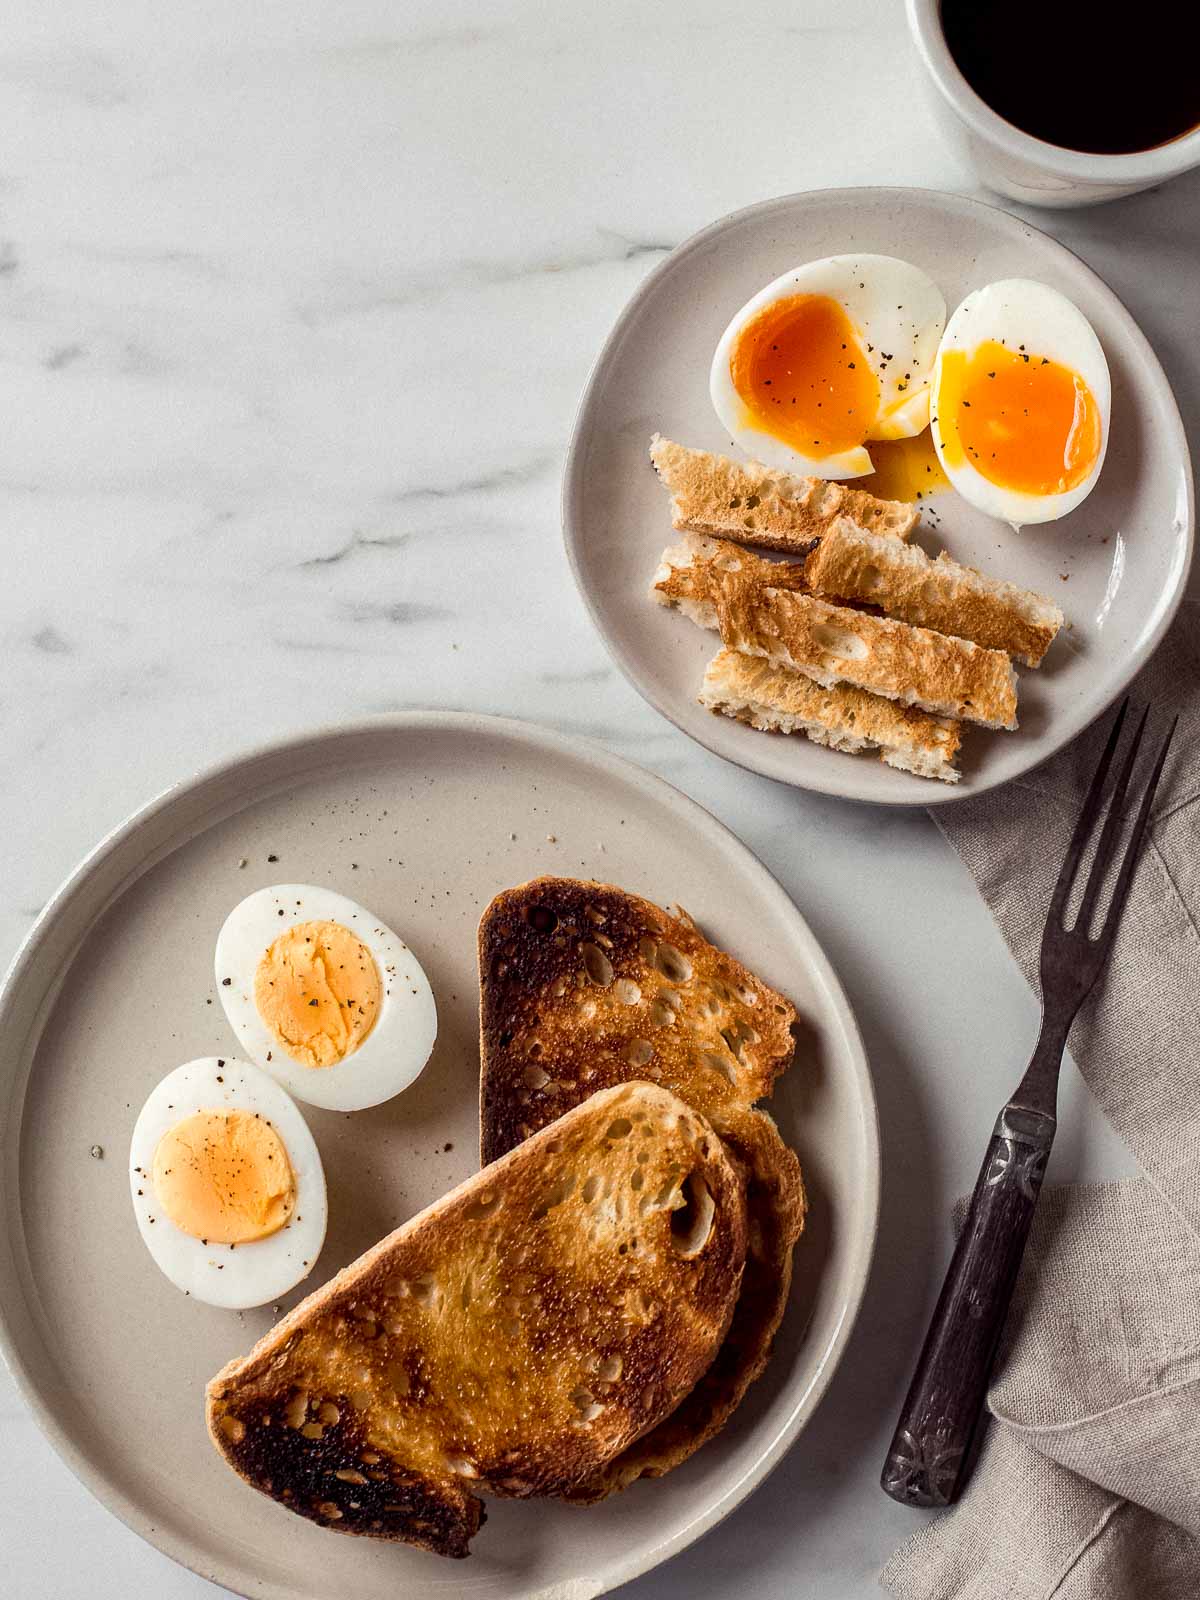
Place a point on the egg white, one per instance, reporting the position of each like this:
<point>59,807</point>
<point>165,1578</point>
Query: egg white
<point>402,1038</point>
<point>897,309</point>
<point>260,1270</point>
<point>1022,312</point>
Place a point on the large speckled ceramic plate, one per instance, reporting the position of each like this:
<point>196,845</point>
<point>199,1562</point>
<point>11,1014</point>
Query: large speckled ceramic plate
<point>1117,565</point>
<point>422,817</point>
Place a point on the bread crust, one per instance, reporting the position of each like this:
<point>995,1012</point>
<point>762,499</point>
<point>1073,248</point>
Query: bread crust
<point>850,564</point>
<point>702,1025</point>
<point>945,676</point>
<point>515,1337</point>
<point>758,505</point>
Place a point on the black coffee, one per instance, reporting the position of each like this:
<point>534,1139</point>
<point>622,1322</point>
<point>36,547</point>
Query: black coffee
<point>1063,72</point>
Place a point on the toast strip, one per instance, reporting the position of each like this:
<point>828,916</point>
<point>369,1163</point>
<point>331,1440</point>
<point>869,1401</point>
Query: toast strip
<point>753,504</point>
<point>777,700</point>
<point>850,564</point>
<point>692,574</point>
<point>556,1024</point>
<point>948,677</point>
<point>515,1337</point>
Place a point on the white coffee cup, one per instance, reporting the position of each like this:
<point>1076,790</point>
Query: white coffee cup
<point>1016,164</point>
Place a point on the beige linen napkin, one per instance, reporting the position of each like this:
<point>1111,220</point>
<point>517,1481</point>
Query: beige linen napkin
<point>1088,1484</point>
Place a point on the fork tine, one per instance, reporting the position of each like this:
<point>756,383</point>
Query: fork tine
<point>1112,827</point>
<point>1083,827</point>
<point>1133,848</point>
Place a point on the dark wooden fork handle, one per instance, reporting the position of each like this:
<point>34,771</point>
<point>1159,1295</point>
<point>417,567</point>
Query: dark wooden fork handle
<point>931,1448</point>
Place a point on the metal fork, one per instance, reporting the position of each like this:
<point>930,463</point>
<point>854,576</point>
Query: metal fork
<point>930,1456</point>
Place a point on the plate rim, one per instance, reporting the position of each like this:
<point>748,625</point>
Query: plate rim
<point>940,794</point>
<point>390,724</point>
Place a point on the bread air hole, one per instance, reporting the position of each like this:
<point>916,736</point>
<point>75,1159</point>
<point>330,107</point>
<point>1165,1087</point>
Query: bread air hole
<point>840,642</point>
<point>597,965</point>
<point>673,964</point>
<point>555,1195</point>
<point>619,1128</point>
<point>483,1206</point>
<point>541,919</point>
<point>717,1063</point>
<point>692,1222</point>
<point>296,1410</point>
<point>871,579</point>
<point>737,1036</point>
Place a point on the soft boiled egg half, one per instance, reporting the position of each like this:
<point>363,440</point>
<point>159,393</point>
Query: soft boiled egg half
<point>227,1184</point>
<point>828,357</point>
<point>324,997</point>
<point>1021,401</point>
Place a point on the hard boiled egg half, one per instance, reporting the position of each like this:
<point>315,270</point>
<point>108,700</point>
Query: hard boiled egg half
<point>324,997</point>
<point>828,357</point>
<point>227,1184</point>
<point>1021,402</point>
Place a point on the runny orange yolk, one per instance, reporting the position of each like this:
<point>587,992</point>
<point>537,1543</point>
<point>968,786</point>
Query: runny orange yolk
<point>802,376</point>
<point>1022,421</point>
<point>224,1177</point>
<point>318,991</point>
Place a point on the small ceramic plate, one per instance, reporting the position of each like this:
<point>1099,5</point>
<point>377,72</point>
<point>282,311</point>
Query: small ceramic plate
<point>422,817</point>
<point>1116,566</point>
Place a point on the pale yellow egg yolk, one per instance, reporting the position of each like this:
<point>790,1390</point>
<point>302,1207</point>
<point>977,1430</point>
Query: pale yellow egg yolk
<point>1021,420</point>
<point>224,1177</point>
<point>803,377</point>
<point>318,991</point>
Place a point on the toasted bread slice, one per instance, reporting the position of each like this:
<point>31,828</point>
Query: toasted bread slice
<point>583,985</point>
<point>775,699</point>
<point>946,676</point>
<point>513,1338</point>
<point>850,564</point>
<point>776,1207</point>
<point>753,504</point>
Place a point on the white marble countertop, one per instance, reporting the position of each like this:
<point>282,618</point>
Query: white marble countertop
<point>296,302</point>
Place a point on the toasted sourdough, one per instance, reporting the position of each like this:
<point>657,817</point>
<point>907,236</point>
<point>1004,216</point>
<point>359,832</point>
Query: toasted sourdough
<point>774,699</point>
<point>753,504</point>
<point>583,985</point>
<point>514,1337</point>
<point>946,676</point>
<point>850,564</point>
